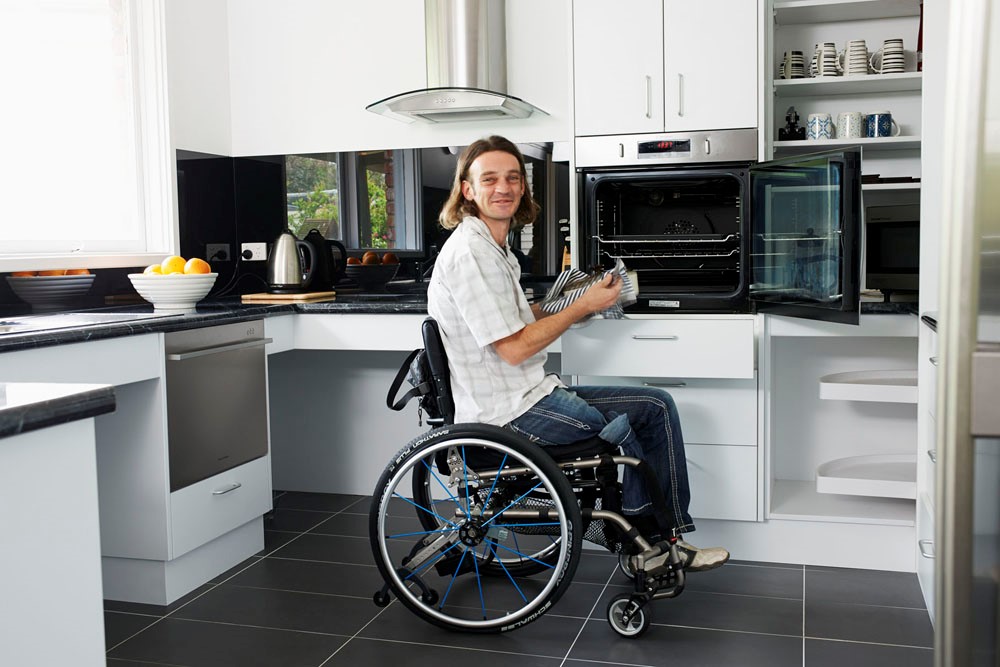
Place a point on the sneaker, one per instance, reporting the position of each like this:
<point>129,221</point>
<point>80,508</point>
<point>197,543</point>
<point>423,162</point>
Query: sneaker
<point>699,560</point>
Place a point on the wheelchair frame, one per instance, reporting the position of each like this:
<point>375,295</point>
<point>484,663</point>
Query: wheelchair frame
<point>511,513</point>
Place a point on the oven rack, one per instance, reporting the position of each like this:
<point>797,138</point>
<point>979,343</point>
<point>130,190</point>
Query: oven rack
<point>717,238</point>
<point>706,255</point>
<point>794,236</point>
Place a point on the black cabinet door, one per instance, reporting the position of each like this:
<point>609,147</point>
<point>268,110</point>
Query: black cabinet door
<point>805,246</point>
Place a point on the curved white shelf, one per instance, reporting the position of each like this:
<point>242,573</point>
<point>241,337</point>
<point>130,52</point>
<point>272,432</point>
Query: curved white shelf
<point>878,475</point>
<point>885,386</point>
<point>914,185</point>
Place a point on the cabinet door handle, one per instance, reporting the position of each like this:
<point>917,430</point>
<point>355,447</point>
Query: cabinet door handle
<point>649,96</point>
<point>680,94</point>
<point>184,356</point>
<point>932,455</point>
<point>226,489</point>
<point>653,337</point>
<point>621,150</point>
<point>708,146</point>
<point>933,361</point>
<point>926,548</point>
<point>665,384</point>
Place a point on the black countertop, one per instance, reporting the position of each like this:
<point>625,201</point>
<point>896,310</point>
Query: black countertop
<point>28,406</point>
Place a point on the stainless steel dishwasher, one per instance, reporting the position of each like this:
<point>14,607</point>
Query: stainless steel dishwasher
<point>216,399</point>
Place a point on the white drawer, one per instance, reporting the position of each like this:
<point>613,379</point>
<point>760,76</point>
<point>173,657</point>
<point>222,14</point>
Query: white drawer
<point>115,361</point>
<point>712,412</point>
<point>212,507</point>
<point>685,348</point>
<point>723,482</point>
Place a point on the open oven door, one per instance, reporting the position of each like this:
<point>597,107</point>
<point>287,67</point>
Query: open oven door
<point>805,246</point>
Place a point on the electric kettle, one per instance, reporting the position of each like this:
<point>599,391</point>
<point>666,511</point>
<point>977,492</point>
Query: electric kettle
<point>327,270</point>
<point>284,265</point>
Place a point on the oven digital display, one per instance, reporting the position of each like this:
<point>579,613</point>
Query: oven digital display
<point>665,148</point>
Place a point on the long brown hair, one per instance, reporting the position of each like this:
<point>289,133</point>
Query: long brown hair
<point>458,207</point>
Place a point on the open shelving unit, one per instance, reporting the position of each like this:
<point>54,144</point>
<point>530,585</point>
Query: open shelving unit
<point>796,500</point>
<point>849,85</point>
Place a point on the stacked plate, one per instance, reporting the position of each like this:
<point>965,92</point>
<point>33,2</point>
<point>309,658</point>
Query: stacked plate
<point>173,292</point>
<point>50,292</point>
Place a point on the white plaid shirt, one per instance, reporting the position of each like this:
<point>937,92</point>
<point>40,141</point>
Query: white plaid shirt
<point>476,297</point>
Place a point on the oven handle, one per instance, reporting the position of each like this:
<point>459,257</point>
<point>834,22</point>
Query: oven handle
<point>243,345</point>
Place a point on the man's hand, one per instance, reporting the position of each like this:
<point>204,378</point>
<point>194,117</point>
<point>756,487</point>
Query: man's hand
<point>601,295</point>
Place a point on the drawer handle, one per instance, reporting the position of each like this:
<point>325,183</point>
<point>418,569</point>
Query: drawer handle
<point>926,548</point>
<point>665,384</point>
<point>223,491</point>
<point>932,455</point>
<point>641,337</point>
<point>933,361</point>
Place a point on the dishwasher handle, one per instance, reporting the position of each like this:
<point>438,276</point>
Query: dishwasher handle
<point>218,349</point>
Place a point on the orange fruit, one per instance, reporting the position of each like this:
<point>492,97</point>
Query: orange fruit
<point>153,269</point>
<point>77,272</point>
<point>172,264</point>
<point>370,258</point>
<point>196,265</point>
<point>353,260</point>
<point>390,258</point>
<point>23,274</point>
<point>53,272</point>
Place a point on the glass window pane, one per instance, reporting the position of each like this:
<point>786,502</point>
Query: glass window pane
<point>312,189</point>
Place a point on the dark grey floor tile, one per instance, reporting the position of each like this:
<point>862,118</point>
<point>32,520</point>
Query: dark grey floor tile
<point>761,563</point>
<point>330,548</point>
<point>777,582</point>
<point>274,540</point>
<point>119,626</point>
<point>376,652</point>
<point>549,636</point>
<point>294,521</point>
<point>282,610</point>
<point>293,575</point>
<point>595,567</point>
<point>824,653</point>
<point>115,662</point>
<point>322,502</point>
<point>218,579</point>
<point>197,644</point>
<point>578,600</point>
<point>154,609</point>
<point>864,623</point>
<point>665,645</point>
<point>357,525</point>
<point>718,611</point>
<point>397,507</point>
<point>891,589</point>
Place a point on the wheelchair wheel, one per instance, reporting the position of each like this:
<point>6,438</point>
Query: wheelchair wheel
<point>638,620</point>
<point>463,569</point>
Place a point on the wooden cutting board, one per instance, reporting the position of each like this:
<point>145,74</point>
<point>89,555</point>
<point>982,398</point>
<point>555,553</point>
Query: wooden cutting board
<point>304,297</point>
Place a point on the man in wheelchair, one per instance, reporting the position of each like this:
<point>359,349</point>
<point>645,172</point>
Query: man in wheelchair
<point>501,523</point>
<point>496,347</point>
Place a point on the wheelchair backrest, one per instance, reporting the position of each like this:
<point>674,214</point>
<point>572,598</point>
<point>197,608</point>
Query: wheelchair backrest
<point>437,359</point>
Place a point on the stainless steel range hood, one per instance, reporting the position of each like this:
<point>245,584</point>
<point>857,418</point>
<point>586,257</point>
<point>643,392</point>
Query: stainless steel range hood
<point>466,67</point>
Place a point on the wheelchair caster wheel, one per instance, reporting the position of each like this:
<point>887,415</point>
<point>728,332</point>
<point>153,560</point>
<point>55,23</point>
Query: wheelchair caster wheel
<point>430,597</point>
<point>625,565</point>
<point>381,598</point>
<point>627,618</point>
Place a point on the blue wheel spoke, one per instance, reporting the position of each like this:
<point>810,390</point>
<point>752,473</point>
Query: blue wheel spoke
<point>479,583</point>
<point>486,503</point>
<point>420,507</point>
<point>453,577</point>
<point>522,555</point>
<point>507,572</point>
<point>514,502</point>
<point>441,484</point>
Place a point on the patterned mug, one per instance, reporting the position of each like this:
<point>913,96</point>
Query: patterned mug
<point>820,126</point>
<point>880,124</point>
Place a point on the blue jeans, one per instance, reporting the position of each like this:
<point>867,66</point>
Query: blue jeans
<point>643,421</point>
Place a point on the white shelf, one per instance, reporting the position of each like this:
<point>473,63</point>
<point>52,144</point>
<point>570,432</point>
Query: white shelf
<point>795,500</point>
<point>915,185</point>
<point>849,85</point>
<point>789,12</point>
<point>882,386</point>
<point>878,475</point>
<point>816,145</point>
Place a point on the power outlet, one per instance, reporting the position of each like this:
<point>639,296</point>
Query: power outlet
<point>217,252</point>
<point>253,252</point>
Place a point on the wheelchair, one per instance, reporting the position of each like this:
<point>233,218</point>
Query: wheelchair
<point>500,522</point>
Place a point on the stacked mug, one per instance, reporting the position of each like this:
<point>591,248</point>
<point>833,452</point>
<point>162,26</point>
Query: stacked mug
<point>890,58</point>
<point>824,62</point>
<point>853,60</point>
<point>793,66</point>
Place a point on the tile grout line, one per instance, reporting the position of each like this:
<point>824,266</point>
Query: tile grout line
<point>355,635</point>
<point>583,627</point>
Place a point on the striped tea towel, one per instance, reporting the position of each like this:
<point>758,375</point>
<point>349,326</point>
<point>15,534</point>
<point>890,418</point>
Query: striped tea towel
<point>572,283</point>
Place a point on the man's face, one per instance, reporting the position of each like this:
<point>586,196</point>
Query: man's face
<point>495,184</point>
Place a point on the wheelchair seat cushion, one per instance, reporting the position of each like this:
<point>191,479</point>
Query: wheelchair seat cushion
<point>594,446</point>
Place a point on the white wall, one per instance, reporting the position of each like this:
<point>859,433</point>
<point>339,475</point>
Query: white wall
<point>302,72</point>
<point>198,75</point>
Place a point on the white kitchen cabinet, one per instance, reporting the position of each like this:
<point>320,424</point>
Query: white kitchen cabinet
<point>664,65</point>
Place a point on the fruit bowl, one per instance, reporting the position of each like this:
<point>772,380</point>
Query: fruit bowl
<point>177,291</point>
<point>50,292</point>
<point>371,277</point>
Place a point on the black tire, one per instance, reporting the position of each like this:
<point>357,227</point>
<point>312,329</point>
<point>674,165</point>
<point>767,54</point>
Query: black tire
<point>465,522</point>
<point>636,625</point>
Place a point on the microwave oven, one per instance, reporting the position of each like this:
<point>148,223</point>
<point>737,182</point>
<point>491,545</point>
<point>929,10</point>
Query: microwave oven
<point>892,248</point>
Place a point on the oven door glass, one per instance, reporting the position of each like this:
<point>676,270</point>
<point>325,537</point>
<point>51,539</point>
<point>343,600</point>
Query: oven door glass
<point>806,221</point>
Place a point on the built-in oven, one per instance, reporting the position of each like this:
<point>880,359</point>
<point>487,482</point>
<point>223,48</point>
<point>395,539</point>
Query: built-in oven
<point>706,228</point>
<point>892,249</point>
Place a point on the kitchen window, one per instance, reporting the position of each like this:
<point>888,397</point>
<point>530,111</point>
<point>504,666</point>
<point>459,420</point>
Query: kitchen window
<point>366,199</point>
<point>84,121</point>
